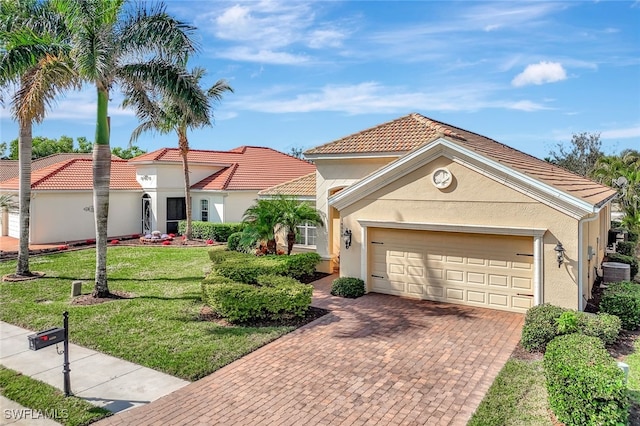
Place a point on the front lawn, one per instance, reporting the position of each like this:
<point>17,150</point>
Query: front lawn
<point>158,327</point>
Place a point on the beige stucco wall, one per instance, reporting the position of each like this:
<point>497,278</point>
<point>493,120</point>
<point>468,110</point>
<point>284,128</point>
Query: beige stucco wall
<point>236,203</point>
<point>216,205</point>
<point>332,175</point>
<point>67,216</point>
<point>472,199</point>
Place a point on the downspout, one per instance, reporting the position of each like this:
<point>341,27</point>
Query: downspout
<point>592,216</point>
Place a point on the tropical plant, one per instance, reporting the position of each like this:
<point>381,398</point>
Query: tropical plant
<point>34,57</point>
<point>580,156</point>
<point>140,47</point>
<point>168,115</point>
<point>294,213</point>
<point>262,221</point>
<point>623,173</point>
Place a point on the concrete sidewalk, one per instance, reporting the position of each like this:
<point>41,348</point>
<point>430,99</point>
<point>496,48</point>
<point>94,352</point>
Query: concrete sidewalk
<point>100,379</point>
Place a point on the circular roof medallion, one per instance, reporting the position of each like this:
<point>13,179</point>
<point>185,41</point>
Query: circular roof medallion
<point>441,178</point>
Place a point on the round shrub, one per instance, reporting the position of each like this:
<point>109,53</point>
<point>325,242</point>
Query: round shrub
<point>626,248</point>
<point>347,287</point>
<point>623,300</point>
<point>234,241</point>
<point>584,384</point>
<point>540,326</point>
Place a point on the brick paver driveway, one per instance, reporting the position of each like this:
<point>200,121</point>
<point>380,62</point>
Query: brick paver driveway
<point>374,360</point>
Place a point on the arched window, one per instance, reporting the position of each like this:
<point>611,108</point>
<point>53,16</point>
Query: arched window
<point>146,214</point>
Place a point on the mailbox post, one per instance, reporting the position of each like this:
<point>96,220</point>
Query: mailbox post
<point>52,336</point>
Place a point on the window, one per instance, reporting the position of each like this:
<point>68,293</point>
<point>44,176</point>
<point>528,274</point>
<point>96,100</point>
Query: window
<point>204,210</point>
<point>306,235</point>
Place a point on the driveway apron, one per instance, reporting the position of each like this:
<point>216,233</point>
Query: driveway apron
<point>374,360</point>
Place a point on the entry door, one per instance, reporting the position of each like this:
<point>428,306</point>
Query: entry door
<point>176,211</point>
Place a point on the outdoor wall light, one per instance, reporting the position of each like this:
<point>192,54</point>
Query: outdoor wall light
<point>559,253</point>
<point>346,235</point>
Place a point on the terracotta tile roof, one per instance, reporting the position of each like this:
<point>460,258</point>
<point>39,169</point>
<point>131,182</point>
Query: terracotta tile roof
<point>304,186</point>
<point>414,130</point>
<point>248,167</point>
<point>8,169</point>
<point>76,174</point>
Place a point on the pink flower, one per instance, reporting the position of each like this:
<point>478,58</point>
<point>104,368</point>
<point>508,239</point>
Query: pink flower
<point>63,247</point>
<point>115,242</point>
<point>166,243</point>
<point>210,241</point>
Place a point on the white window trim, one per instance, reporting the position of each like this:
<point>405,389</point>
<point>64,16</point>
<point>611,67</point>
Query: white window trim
<point>306,236</point>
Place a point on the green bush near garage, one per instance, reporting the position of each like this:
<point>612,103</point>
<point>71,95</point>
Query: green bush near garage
<point>219,232</point>
<point>545,322</point>
<point>623,300</point>
<point>584,384</point>
<point>246,268</point>
<point>272,297</point>
<point>626,248</point>
<point>347,287</point>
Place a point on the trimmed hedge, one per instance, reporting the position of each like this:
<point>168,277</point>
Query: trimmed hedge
<point>623,300</point>
<point>632,261</point>
<point>545,322</point>
<point>233,242</point>
<point>626,248</point>
<point>585,385</point>
<point>347,287</point>
<point>246,268</point>
<point>278,297</point>
<point>209,230</point>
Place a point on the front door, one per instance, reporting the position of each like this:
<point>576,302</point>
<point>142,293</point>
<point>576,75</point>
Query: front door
<point>176,211</point>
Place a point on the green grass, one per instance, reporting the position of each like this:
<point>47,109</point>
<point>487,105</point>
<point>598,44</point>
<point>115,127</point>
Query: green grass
<point>47,400</point>
<point>633,360</point>
<point>158,328</point>
<point>517,397</point>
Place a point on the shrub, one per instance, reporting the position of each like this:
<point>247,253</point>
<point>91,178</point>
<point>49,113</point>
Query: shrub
<point>632,261</point>
<point>347,287</point>
<point>601,325</point>
<point>246,268</point>
<point>540,326</point>
<point>278,297</point>
<point>234,241</point>
<point>626,248</point>
<point>585,385</point>
<point>209,230</point>
<point>623,300</point>
<point>545,322</point>
<point>301,264</point>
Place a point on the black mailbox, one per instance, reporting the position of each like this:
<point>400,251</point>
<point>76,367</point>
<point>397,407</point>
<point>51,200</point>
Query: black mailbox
<point>45,338</point>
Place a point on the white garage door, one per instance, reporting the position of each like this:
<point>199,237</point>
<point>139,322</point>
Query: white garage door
<point>14,225</point>
<point>492,271</point>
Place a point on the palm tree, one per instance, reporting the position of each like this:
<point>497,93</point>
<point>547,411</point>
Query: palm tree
<point>138,48</point>
<point>167,115</point>
<point>34,56</point>
<point>293,213</point>
<point>623,173</point>
<point>262,221</point>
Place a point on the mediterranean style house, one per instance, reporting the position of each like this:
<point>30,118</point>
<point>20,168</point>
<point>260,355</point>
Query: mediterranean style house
<point>423,209</point>
<point>147,192</point>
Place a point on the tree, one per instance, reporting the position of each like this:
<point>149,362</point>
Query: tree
<point>293,213</point>
<point>35,57</point>
<point>296,152</point>
<point>134,46</point>
<point>262,221</point>
<point>127,153</point>
<point>166,115</point>
<point>581,155</point>
<point>622,172</point>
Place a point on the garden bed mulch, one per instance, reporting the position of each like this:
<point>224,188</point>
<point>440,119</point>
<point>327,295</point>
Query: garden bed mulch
<point>88,299</point>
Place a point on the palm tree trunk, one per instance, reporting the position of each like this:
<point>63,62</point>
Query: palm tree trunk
<point>291,240</point>
<point>24,154</point>
<point>183,143</point>
<point>101,180</point>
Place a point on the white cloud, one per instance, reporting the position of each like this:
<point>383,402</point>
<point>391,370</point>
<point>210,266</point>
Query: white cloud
<point>630,132</point>
<point>527,106</point>
<point>540,73</point>
<point>326,38</point>
<point>265,56</point>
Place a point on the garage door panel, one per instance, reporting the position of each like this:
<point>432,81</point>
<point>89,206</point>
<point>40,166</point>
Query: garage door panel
<point>475,269</point>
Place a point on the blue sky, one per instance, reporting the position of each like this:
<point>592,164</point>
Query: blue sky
<point>528,74</point>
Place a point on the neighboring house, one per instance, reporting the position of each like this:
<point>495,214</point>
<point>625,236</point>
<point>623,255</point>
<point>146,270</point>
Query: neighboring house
<point>423,209</point>
<point>147,192</point>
